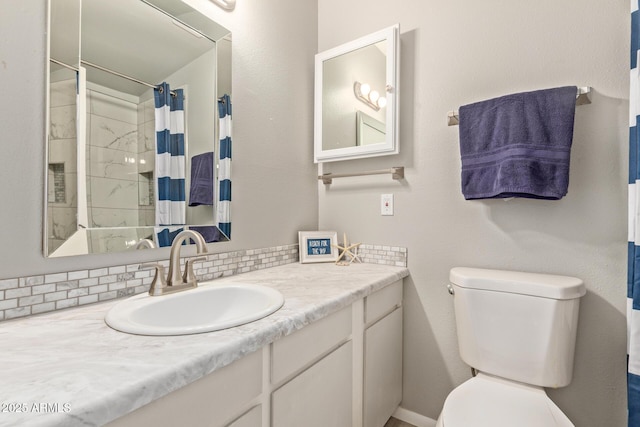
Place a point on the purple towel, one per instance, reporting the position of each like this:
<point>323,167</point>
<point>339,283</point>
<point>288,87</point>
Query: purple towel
<point>518,145</point>
<point>201,191</point>
<point>210,233</point>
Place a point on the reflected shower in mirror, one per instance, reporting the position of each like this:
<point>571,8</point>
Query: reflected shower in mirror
<point>135,148</point>
<point>356,98</point>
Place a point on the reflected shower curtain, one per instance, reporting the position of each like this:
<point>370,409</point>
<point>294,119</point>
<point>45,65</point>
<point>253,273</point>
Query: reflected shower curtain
<point>633,280</point>
<point>170,158</point>
<point>224,171</point>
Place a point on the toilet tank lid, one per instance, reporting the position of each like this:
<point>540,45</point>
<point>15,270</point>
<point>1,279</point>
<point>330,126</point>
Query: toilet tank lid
<point>515,282</point>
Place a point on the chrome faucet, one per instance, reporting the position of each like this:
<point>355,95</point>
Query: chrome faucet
<point>176,280</point>
<point>145,243</point>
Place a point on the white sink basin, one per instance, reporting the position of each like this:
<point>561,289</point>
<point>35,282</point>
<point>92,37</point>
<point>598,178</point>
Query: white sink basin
<point>209,307</point>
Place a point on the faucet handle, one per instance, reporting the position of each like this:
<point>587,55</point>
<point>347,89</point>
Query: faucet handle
<point>159,283</point>
<point>188,275</point>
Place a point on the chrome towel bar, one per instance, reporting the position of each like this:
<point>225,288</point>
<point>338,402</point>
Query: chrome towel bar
<point>583,97</point>
<point>396,173</point>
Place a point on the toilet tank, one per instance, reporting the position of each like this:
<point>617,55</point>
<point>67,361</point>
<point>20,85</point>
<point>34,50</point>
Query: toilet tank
<point>518,326</point>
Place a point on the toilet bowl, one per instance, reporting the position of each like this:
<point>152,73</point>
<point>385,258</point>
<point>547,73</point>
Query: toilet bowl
<point>487,401</point>
<point>518,331</point>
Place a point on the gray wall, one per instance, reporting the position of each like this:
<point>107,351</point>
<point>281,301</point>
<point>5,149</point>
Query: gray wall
<point>274,192</point>
<point>461,52</point>
<point>451,55</point>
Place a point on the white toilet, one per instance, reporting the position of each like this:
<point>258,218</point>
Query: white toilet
<point>518,331</point>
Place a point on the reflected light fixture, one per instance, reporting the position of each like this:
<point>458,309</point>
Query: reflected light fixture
<point>370,97</point>
<point>225,4</point>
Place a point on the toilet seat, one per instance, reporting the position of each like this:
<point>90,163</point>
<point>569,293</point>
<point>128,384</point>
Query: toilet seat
<point>488,401</point>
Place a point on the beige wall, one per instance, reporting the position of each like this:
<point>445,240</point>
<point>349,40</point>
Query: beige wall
<point>274,191</point>
<point>455,53</point>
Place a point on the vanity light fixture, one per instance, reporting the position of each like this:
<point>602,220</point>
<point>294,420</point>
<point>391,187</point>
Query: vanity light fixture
<point>370,97</point>
<point>225,4</point>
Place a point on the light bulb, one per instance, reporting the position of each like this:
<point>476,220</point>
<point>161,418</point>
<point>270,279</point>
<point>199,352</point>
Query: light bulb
<point>382,102</point>
<point>373,96</point>
<point>365,89</point>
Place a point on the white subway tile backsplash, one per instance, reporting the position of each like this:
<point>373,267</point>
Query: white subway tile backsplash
<point>89,299</point>
<point>66,303</point>
<point>55,296</point>
<point>116,286</point>
<point>17,293</point>
<point>25,296</point>
<point>63,286</point>
<point>105,280</point>
<point>52,278</point>
<point>43,289</point>
<point>8,304</point>
<point>88,282</point>
<point>17,312</point>
<point>9,284</point>
<point>98,289</point>
<point>98,272</point>
<point>42,308</point>
<point>73,293</point>
<point>31,281</point>
<point>32,300</point>
<point>118,269</point>
<point>104,296</point>
<point>76,275</point>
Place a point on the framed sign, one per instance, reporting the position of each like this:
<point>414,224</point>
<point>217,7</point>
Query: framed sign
<point>317,246</point>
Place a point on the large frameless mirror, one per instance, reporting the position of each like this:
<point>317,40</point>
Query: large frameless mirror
<point>139,110</point>
<point>356,98</point>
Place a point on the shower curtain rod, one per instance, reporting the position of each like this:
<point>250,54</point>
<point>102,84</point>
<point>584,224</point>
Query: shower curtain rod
<point>71,67</point>
<point>115,73</point>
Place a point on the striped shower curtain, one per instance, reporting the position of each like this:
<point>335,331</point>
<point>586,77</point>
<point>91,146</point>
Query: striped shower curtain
<point>224,171</point>
<point>170,158</point>
<point>633,280</point>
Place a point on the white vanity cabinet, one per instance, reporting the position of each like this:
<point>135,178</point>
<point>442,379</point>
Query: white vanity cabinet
<point>344,370</point>
<point>215,400</point>
<point>382,385</point>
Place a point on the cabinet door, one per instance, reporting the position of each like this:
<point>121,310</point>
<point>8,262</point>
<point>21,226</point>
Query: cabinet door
<point>383,369</point>
<point>321,396</point>
<point>253,418</point>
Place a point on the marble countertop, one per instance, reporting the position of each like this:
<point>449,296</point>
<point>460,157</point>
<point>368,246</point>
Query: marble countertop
<point>69,368</point>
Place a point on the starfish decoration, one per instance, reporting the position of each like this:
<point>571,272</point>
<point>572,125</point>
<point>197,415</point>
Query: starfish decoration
<point>346,251</point>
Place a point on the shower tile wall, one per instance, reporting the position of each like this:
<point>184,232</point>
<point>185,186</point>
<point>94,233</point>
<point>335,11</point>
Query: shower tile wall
<point>146,162</point>
<point>120,165</point>
<point>62,178</point>
<point>112,143</point>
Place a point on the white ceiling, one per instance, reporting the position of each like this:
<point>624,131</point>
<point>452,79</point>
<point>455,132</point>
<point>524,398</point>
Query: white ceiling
<point>130,37</point>
<point>133,38</point>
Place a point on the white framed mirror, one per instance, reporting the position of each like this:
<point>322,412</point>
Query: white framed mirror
<point>109,186</point>
<point>356,98</point>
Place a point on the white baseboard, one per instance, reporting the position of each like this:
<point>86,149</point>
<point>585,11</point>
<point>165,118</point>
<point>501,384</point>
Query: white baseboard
<point>413,418</point>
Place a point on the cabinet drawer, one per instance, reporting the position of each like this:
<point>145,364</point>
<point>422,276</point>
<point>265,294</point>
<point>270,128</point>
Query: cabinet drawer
<point>298,350</point>
<point>211,401</point>
<point>383,302</point>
